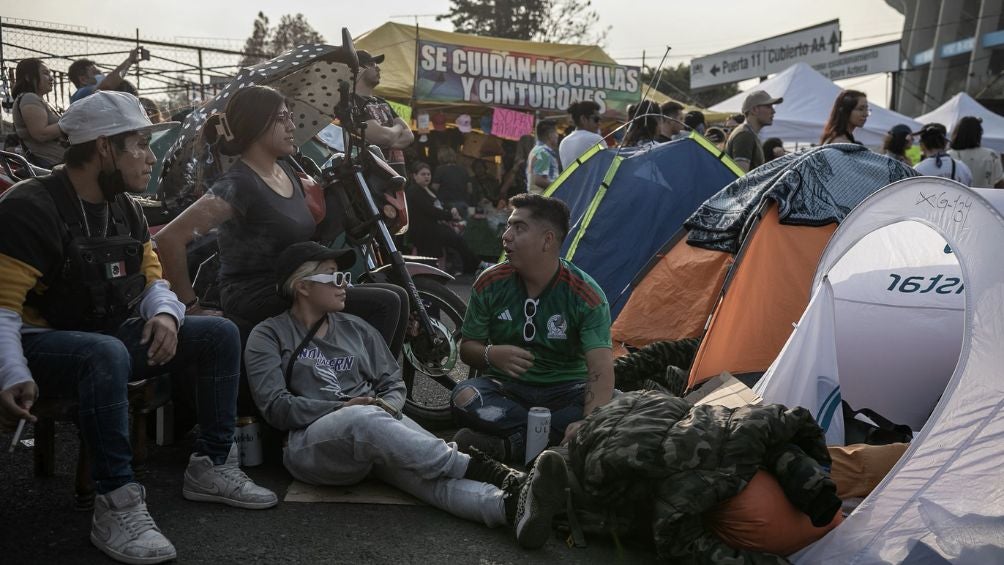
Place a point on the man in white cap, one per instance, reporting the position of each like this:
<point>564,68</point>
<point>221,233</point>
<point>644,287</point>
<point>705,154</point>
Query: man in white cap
<point>84,310</point>
<point>744,143</point>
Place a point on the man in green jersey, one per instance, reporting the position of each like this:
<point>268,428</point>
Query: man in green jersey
<point>538,328</point>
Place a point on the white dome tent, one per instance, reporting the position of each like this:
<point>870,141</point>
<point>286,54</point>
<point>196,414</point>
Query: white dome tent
<point>808,99</point>
<point>961,105</point>
<point>944,499</point>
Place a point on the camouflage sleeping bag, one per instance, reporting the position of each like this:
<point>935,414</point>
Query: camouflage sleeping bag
<point>652,453</point>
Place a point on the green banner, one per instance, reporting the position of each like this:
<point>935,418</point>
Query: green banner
<point>461,74</point>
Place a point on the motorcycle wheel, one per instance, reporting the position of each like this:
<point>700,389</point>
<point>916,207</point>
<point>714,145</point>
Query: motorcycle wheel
<point>428,401</point>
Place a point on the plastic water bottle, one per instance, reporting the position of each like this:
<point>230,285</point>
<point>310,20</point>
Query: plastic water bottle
<point>248,438</point>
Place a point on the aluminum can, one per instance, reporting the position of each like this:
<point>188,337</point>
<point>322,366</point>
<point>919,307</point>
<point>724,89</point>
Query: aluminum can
<point>248,438</point>
<point>538,431</point>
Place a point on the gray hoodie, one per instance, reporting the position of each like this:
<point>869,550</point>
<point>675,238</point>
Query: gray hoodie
<point>350,360</point>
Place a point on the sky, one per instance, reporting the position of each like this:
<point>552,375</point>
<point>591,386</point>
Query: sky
<point>691,29</point>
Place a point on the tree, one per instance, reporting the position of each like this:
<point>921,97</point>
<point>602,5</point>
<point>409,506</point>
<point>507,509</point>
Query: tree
<point>559,21</point>
<point>266,42</point>
<point>675,82</point>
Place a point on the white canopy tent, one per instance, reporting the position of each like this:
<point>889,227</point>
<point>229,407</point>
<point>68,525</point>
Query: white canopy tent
<point>808,98</point>
<point>961,105</point>
<point>918,360</point>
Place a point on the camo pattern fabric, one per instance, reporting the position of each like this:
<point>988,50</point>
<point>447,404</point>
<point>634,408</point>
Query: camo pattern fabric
<point>662,366</point>
<point>647,451</point>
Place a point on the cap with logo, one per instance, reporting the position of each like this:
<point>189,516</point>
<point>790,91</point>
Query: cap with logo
<point>464,123</point>
<point>106,113</point>
<point>759,98</point>
<point>299,253</point>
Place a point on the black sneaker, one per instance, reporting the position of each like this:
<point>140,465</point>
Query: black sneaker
<point>542,496</point>
<point>484,469</point>
<point>468,440</point>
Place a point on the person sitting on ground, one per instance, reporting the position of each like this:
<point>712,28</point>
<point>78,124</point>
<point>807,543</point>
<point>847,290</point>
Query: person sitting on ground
<point>83,330</point>
<point>35,120</point>
<point>260,208</point>
<point>671,125</point>
<point>644,126</point>
<point>850,111</point>
<point>773,148</point>
<point>84,75</point>
<point>896,143</point>
<point>328,379</point>
<point>428,228</point>
<point>937,162</point>
<point>586,118</point>
<point>983,162</point>
<point>744,144</point>
<point>538,329</point>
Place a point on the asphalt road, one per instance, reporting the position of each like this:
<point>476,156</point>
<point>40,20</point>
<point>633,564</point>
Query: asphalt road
<point>39,525</point>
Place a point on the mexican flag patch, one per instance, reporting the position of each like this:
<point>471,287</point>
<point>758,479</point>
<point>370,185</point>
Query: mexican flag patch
<point>115,270</point>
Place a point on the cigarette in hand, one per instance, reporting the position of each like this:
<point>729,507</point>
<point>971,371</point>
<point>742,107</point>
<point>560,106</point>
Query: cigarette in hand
<point>17,435</point>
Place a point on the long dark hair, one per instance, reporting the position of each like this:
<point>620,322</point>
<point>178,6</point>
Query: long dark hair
<point>968,133</point>
<point>644,123</point>
<point>840,116</point>
<point>249,114</point>
<point>26,77</point>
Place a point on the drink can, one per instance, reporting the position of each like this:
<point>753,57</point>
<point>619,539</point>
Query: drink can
<point>248,438</point>
<point>538,431</point>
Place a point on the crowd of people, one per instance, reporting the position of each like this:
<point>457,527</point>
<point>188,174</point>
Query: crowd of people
<point>295,341</point>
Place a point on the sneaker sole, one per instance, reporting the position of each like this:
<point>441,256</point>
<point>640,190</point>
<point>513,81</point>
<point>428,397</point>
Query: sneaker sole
<point>533,528</point>
<point>129,558</point>
<point>202,497</point>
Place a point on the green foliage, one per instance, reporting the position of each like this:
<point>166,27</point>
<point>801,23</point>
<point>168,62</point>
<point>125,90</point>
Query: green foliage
<point>267,42</point>
<point>675,82</point>
<point>555,21</point>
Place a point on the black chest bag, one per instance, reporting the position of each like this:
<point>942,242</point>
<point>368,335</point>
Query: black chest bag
<point>100,281</point>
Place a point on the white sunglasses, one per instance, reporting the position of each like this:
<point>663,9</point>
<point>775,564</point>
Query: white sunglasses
<point>339,278</point>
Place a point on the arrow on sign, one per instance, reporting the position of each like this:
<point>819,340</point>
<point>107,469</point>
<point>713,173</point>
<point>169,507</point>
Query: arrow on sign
<point>714,70</point>
<point>834,42</point>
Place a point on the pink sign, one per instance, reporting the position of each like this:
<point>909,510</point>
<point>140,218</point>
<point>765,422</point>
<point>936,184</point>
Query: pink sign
<point>509,124</point>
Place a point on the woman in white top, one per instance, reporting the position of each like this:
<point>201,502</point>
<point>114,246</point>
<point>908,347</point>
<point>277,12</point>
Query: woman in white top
<point>35,121</point>
<point>985,163</point>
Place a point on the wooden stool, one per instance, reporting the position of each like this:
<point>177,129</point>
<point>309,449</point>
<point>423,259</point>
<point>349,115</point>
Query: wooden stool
<point>145,397</point>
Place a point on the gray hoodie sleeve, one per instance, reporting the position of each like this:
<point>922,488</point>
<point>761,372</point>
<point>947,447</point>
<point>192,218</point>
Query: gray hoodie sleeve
<point>387,381</point>
<point>265,359</point>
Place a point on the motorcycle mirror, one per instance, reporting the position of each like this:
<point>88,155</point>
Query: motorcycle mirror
<point>350,49</point>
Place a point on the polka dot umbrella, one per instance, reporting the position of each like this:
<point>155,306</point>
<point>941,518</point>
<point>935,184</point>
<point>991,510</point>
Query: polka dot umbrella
<point>307,76</point>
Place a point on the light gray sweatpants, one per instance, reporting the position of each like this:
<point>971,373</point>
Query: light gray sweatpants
<point>343,447</point>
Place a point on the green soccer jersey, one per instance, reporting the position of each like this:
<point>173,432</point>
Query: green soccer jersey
<point>568,319</point>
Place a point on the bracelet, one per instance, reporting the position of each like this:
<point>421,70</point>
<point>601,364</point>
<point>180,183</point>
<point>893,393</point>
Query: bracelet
<point>488,363</point>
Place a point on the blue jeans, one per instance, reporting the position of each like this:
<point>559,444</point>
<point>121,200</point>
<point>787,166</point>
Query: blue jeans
<point>500,408</point>
<point>95,368</point>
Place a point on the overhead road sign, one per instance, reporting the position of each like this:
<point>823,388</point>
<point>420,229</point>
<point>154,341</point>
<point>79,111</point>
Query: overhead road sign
<point>883,58</point>
<point>812,45</point>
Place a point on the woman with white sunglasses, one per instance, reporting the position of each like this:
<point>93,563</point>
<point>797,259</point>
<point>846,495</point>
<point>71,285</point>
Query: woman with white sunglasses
<point>329,380</point>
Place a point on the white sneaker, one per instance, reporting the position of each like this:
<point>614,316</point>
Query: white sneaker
<point>123,529</point>
<point>224,483</point>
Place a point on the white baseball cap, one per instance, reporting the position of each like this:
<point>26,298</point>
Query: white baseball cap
<point>106,113</point>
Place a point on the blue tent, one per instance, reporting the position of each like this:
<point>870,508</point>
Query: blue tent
<point>628,204</point>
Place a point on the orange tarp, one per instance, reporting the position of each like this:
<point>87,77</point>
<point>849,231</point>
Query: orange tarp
<point>767,294</point>
<point>675,298</point>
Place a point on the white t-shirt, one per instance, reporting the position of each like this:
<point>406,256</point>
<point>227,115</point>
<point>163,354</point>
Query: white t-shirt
<point>575,144</point>
<point>983,162</point>
<point>929,167</point>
